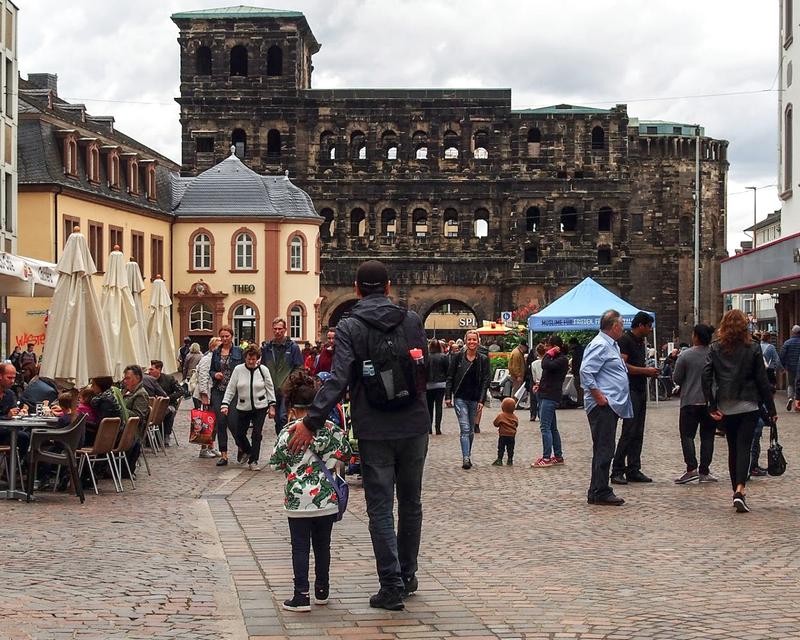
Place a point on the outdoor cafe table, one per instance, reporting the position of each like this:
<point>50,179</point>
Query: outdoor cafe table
<point>14,425</point>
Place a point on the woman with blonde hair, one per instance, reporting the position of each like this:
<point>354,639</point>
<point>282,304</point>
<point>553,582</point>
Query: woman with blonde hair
<point>735,383</point>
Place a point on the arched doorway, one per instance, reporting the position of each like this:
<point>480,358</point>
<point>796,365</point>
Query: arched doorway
<point>244,320</point>
<point>341,311</point>
<point>449,319</point>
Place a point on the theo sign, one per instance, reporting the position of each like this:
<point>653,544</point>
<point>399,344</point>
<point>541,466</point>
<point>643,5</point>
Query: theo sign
<point>244,288</point>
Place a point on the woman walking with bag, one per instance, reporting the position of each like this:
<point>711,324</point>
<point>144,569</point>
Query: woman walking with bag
<point>201,397</point>
<point>467,384</point>
<point>734,383</point>
<point>252,384</point>
<point>224,360</point>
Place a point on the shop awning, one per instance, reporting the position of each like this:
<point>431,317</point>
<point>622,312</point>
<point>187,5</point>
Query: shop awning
<point>771,268</point>
<point>26,277</point>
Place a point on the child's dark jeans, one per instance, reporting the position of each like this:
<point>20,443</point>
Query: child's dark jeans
<point>306,532</point>
<point>505,443</point>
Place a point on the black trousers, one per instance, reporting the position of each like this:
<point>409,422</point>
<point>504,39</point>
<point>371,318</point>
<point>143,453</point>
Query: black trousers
<point>603,424</point>
<point>692,417</point>
<point>435,398</point>
<point>739,430</point>
<point>223,422</point>
<point>505,443</point>
<point>243,420</point>
<point>628,457</point>
<point>305,533</point>
<point>534,400</point>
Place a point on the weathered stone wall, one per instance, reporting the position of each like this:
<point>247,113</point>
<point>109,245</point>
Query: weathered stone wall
<point>613,208</point>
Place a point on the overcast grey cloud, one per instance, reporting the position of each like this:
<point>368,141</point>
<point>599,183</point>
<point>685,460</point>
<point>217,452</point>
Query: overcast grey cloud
<point>121,58</point>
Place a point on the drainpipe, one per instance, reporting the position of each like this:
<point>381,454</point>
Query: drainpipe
<point>55,224</point>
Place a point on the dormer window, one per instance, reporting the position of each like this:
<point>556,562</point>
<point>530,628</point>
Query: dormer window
<point>71,156</point>
<point>133,177</point>
<point>150,180</point>
<point>93,163</point>
<point>113,170</point>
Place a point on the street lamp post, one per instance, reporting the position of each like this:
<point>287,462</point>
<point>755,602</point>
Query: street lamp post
<point>755,191</point>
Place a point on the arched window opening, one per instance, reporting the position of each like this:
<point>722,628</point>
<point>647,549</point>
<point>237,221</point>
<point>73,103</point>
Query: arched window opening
<point>94,164</point>
<point>328,226</point>
<point>532,220</point>
<point>239,141</point>
<point>420,221</point>
<point>113,171</point>
<point>239,61</point>
<point>296,323</point>
<point>327,145</point>
<point>422,153</point>
<point>450,219</point>
<point>358,145</point>
<point>244,323</point>
<point>391,152</point>
<point>787,149</point>
<point>388,223</point>
<point>201,252</point>
<point>534,142</point>
<point>481,223</point>
<point>358,223</point>
<point>274,61</point>
<point>481,145</point>
<point>569,219</point>
<point>273,143</point>
<point>481,153</point>
<point>203,61</point>
<point>419,142</point>
<point>598,138</point>
<point>605,219</point>
<point>201,318</point>
<point>389,144</point>
<point>244,251</point>
<point>133,177</point>
<point>531,255</point>
<point>451,142</point>
<point>296,254</point>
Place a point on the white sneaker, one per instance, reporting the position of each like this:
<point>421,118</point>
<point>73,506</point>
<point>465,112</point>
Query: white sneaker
<point>253,466</point>
<point>216,453</point>
<point>207,453</point>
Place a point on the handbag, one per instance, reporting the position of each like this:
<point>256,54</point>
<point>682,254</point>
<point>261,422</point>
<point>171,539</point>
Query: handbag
<point>201,426</point>
<point>339,484</point>
<point>776,463</point>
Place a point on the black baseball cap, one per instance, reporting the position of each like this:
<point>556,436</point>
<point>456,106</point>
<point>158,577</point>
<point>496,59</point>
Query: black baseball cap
<point>372,273</point>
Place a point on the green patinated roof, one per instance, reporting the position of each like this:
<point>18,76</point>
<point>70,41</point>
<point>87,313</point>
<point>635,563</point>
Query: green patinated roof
<point>562,108</point>
<point>240,11</point>
<point>666,128</point>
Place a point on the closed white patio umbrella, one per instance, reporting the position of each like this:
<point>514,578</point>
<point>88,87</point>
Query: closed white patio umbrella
<point>76,348</point>
<point>160,340</point>
<point>136,285</point>
<point>119,315</point>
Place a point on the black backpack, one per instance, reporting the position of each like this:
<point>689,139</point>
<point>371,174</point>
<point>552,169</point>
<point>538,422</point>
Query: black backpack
<point>387,371</point>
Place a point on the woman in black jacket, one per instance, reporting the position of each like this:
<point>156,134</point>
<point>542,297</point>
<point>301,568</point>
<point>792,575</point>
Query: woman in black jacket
<point>438,364</point>
<point>467,383</point>
<point>735,384</point>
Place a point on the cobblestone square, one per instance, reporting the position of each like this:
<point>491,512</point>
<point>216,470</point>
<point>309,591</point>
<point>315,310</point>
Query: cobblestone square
<point>507,552</point>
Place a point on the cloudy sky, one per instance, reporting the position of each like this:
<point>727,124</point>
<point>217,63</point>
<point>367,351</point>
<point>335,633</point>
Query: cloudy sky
<point>666,59</point>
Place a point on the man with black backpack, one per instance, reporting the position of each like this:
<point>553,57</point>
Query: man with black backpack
<point>381,355</point>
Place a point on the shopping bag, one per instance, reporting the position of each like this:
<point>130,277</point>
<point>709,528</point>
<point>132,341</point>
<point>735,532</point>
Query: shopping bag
<point>201,426</point>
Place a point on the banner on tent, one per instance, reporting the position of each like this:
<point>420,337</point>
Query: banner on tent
<point>572,324</point>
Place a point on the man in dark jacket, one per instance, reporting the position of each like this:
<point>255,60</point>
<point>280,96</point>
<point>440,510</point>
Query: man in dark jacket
<point>173,390</point>
<point>392,443</point>
<point>790,359</point>
<point>281,356</point>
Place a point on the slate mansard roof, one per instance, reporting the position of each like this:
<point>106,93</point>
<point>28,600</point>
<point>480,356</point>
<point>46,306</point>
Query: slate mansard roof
<point>230,188</point>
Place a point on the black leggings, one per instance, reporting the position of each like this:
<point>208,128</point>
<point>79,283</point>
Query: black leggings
<point>739,429</point>
<point>435,397</point>
<point>304,533</point>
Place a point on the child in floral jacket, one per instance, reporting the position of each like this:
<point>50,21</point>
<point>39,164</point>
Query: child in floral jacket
<point>310,500</point>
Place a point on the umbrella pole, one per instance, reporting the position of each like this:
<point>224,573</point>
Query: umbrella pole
<point>655,341</point>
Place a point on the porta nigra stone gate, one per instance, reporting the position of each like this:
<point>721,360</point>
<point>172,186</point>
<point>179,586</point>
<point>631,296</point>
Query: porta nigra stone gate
<point>466,199</point>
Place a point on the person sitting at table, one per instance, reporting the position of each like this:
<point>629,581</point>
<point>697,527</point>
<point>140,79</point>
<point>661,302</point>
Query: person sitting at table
<point>9,408</point>
<point>38,390</point>
<point>104,403</point>
<point>84,406</point>
<point>137,404</point>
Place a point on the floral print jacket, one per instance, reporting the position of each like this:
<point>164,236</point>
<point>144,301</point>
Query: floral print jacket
<point>308,494</point>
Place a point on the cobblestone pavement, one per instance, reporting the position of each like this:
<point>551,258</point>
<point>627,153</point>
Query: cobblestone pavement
<point>507,552</point>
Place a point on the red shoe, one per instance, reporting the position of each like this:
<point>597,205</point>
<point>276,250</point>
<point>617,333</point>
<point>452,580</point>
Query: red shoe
<point>542,462</point>
<point>557,460</point>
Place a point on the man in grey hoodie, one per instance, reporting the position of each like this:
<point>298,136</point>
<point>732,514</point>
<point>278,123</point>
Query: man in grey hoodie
<point>393,442</point>
<point>688,375</point>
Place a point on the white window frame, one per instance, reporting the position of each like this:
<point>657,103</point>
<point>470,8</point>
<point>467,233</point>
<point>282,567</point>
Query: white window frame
<point>296,323</point>
<point>296,254</point>
<point>244,251</point>
<point>201,252</point>
<point>201,318</point>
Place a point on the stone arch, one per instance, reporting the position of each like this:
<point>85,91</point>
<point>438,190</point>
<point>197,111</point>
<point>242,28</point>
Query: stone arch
<point>339,311</point>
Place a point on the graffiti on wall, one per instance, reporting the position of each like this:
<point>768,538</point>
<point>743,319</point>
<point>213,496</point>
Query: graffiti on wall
<point>22,339</point>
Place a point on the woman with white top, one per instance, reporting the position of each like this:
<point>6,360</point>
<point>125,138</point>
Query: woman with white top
<point>252,384</point>
<point>536,377</point>
<point>202,391</point>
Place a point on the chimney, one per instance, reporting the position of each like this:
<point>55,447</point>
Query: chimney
<point>47,81</point>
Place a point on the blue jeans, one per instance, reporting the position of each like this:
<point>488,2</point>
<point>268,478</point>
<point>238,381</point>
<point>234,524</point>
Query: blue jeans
<point>466,411</point>
<point>551,438</point>
<point>388,466</point>
<point>755,448</point>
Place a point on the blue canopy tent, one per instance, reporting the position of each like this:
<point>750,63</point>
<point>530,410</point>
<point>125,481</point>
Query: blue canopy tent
<point>581,307</point>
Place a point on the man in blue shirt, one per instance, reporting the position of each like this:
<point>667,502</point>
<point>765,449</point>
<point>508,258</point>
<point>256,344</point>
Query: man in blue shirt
<point>604,378</point>
<point>790,359</point>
